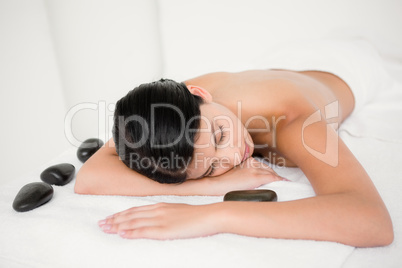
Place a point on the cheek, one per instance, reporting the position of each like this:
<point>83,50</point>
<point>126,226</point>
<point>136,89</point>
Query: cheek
<point>223,168</point>
<point>228,158</point>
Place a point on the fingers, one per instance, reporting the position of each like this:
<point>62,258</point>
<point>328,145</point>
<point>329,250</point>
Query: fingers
<point>135,209</point>
<point>264,165</point>
<point>268,168</point>
<point>283,179</point>
<point>144,232</point>
<point>133,222</point>
<point>128,225</point>
<point>134,214</point>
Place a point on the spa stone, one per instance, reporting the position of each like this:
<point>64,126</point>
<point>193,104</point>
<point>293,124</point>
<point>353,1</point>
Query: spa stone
<point>60,174</point>
<point>88,148</point>
<point>251,195</point>
<point>32,196</point>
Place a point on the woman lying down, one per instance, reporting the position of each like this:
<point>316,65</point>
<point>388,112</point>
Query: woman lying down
<point>199,138</point>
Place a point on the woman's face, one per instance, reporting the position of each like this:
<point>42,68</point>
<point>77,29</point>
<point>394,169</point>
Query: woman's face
<point>223,142</point>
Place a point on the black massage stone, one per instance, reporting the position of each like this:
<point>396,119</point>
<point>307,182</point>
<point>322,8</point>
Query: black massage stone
<point>32,196</point>
<point>251,195</point>
<point>88,148</point>
<point>60,174</point>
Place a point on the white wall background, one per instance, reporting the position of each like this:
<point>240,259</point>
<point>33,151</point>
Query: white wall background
<point>201,36</point>
<point>55,55</point>
<point>32,107</point>
<point>61,55</point>
<point>104,49</point>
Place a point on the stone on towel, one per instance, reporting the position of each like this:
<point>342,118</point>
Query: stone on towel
<point>60,174</point>
<point>32,196</point>
<point>88,148</point>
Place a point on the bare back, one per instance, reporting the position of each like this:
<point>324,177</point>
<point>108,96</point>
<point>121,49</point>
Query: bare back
<point>279,96</point>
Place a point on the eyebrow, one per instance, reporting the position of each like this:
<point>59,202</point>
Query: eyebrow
<point>210,167</point>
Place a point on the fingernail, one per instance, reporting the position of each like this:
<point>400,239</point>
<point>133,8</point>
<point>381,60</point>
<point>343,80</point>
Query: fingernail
<point>122,233</point>
<point>106,227</point>
<point>111,216</point>
<point>102,222</point>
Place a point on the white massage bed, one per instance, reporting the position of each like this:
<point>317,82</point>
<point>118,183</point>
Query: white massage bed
<point>64,232</point>
<point>124,42</point>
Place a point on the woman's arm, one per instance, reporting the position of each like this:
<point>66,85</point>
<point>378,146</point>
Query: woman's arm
<point>105,174</point>
<point>347,208</point>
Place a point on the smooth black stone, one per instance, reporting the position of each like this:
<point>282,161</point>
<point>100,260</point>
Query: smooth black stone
<point>32,195</point>
<point>88,148</point>
<point>251,195</point>
<point>60,174</point>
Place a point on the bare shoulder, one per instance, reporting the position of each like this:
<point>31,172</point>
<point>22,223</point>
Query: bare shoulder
<point>210,81</point>
<point>222,80</point>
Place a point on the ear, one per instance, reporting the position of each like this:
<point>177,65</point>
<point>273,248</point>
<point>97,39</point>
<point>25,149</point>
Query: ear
<point>199,91</point>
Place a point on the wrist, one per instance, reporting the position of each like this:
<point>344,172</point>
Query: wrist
<point>218,218</point>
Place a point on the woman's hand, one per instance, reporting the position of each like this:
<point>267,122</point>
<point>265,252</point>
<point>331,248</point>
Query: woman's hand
<point>248,175</point>
<point>165,221</point>
<point>174,221</point>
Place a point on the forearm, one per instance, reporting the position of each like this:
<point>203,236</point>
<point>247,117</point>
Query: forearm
<point>112,178</point>
<point>345,218</point>
<point>107,175</point>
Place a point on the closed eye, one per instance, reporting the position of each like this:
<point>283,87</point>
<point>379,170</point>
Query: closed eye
<point>213,166</point>
<point>222,134</point>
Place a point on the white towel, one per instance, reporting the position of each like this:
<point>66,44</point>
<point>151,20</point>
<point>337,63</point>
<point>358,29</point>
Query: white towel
<point>64,233</point>
<point>378,96</point>
<point>380,119</point>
